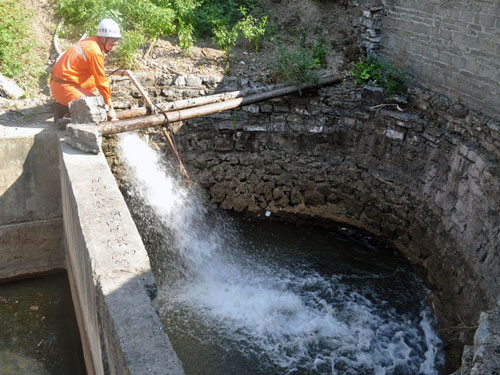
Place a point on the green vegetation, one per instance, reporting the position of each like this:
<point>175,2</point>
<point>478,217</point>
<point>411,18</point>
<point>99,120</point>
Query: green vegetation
<point>222,20</point>
<point>300,63</point>
<point>127,49</point>
<point>252,29</point>
<point>16,43</point>
<point>381,73</point>
<point>145,21</point>
<point>225,21</point>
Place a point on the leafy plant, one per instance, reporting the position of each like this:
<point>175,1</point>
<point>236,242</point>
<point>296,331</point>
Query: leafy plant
<point>381,73</point>
<point>125,54</point>
<point>320,52</point>
<point>186,38</point>
<point>300,63</point>
<point>252,29</point>
<point>188,19</point>
<point>224,38</point>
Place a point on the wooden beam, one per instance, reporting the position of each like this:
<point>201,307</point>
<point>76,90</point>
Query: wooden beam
<point>120,126</point>
<point>180,104</point>
<point>192,102</point>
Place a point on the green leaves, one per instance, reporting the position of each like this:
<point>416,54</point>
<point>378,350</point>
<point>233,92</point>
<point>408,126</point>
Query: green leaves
<point>251,28</point>
<point>300,63</point>
<point>224,38</point>
<point>125,54</point>
<point>380,73</point>
<point>223,20</point>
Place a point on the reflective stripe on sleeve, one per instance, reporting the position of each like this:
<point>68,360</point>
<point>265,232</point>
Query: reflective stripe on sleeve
<point>80,49</point>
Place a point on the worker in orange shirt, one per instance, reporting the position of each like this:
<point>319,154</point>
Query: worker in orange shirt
<point>80,72</point>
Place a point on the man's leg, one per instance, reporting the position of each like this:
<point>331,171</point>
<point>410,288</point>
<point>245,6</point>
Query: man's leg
<point>64,93</point>
<point>60,112</point>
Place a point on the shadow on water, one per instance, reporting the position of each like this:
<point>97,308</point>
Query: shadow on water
<point>38,329</point>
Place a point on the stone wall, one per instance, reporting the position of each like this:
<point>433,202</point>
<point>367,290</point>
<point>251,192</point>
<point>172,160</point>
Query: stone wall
<point>418,172</point>
<point>452,47</point>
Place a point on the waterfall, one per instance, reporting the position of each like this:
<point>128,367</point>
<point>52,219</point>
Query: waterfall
<point>286,318</point>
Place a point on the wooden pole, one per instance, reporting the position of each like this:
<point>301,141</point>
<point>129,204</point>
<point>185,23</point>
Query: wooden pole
<point>129,74</point>
<point>192,102</point>
<point>181,104</point>
<point>120,126</point>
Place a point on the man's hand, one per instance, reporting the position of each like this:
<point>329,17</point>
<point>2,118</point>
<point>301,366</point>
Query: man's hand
<point>112,115</point>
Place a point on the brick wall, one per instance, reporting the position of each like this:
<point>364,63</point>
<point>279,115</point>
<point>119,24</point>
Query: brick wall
<point>452,47</point>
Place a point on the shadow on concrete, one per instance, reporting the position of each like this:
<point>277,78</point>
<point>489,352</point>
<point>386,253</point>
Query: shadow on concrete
<point>30,187</point>
<point>27,116</point>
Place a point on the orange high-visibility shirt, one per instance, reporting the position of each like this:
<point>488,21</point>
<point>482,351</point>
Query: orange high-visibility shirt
<point>84,67</point>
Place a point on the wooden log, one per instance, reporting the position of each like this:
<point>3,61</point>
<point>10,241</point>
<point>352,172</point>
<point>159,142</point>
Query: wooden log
<point>192,102</point>
<point>148,101</point>
<point>181,104</point>
<point>120,126</point>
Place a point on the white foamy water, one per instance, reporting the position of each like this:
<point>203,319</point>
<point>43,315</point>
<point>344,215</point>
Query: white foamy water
<point>289,319</point>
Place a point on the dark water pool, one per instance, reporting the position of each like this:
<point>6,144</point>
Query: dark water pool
<point>281,298</point>
<point>38,329</point>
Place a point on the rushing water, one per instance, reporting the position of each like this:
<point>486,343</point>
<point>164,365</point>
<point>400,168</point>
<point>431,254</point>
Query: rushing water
<point>263,297</point>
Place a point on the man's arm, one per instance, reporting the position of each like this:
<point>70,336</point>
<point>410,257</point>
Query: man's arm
<point>96,66</point>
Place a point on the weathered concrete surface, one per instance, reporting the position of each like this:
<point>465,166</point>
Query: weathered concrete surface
<point>31,248</point>
<point>29,178</point>
<point>84,137</point>
<point>110,270</point>
<point>106,262</point>
<point>31,233</point>
<point>82,132</point>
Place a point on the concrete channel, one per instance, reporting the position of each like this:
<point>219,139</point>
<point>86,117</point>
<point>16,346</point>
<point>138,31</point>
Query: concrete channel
<point>60,208</point>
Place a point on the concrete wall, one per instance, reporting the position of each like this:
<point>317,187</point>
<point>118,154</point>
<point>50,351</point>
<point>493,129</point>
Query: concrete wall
<point>452,47</point>
<point>54,198</point>
<point>109,272</point>
<point>29,183</point>
<point>31,234</point>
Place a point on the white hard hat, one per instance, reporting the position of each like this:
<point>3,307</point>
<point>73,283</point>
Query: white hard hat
<point>108,28</point>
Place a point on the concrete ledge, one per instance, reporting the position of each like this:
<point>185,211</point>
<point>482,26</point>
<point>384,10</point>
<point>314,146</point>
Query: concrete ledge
<point>109,268</point>
<point>31,248</point>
